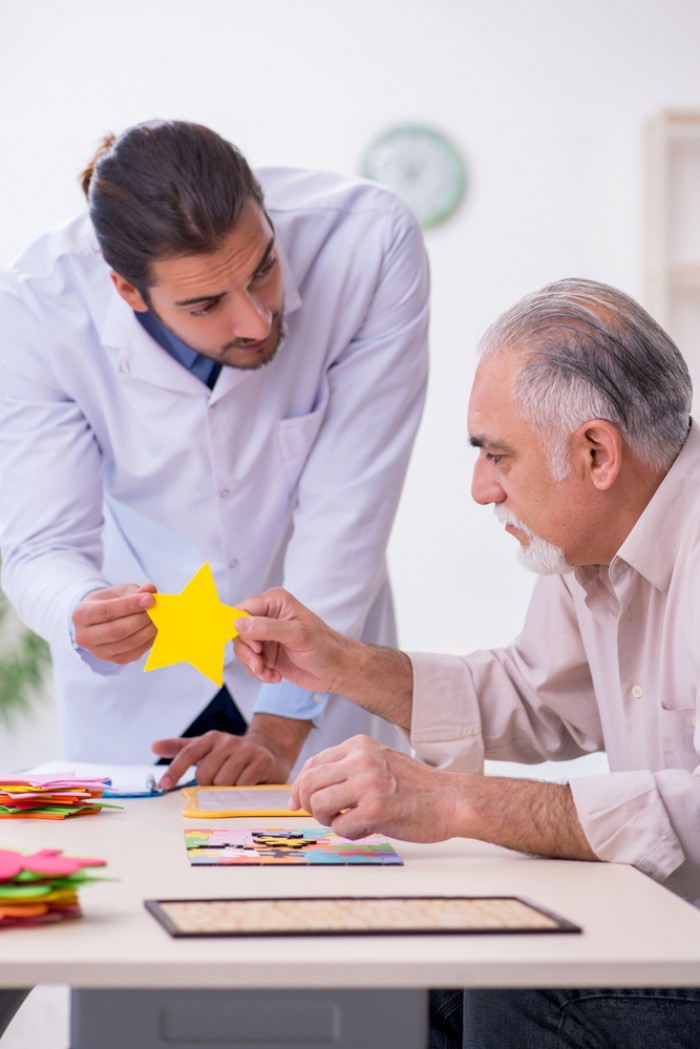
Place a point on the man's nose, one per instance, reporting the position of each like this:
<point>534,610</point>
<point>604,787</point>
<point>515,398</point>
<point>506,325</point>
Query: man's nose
<point>486,487</point>
<point>251,320</point>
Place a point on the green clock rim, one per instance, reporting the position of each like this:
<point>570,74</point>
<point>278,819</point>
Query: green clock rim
<point>459,186</point>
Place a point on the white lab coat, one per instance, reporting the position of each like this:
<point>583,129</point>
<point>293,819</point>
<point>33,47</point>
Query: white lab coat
<point>118,465</point>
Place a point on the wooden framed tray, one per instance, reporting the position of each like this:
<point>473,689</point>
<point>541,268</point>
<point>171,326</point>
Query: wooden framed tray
<point>356,916</point>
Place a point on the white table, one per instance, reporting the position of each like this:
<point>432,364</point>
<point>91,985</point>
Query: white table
<point>635,933</point>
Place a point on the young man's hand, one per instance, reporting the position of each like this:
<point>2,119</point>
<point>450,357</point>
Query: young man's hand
<point>112,624</point>
<point>266,754</point>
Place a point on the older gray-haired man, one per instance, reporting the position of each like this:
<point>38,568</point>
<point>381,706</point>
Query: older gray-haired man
<point>580,412</point>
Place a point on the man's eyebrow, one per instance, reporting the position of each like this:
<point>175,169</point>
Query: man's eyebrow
<point>200,298</point>
<point>220,294</point>
<point>483,442</point>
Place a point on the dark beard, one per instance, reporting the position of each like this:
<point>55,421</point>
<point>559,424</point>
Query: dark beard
<point>281,336</point>
<point>277,319</point>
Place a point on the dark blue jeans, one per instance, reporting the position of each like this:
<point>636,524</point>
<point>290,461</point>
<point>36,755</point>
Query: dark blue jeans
<point>627,1018</point>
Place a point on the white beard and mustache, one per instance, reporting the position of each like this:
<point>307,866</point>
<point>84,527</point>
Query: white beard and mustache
<point>538,555</point>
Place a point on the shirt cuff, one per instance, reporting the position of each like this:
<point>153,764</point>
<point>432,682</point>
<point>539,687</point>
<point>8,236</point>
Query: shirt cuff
<point>625,821</point>
<point>100,666</point>
<point>290,701</point>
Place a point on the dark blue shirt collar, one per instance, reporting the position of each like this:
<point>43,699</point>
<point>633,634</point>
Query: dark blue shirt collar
<point>200,366</point>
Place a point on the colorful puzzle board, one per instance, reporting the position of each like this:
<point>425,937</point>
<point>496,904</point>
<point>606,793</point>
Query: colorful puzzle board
<point>284,846</point>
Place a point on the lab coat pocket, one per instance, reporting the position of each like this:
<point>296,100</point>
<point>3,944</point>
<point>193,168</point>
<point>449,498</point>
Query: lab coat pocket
<point>678,739</point>
<point>296,437</point>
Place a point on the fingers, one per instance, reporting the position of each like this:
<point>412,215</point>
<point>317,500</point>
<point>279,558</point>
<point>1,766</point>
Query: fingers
<point>246,764</point>
<point>327,769</point>
<point>120,642</point>
<point>353,824</point>
<point>258,666</point>
<point>345,787</point>
<point>247,643</point>
<point>112,624</point>
<point>221,759</point>
<point>287,642</point>
<point>275,616</point>
<point>104,606</point>
<point>168,748</point>
<point>340,805</point>
<point>145,595</point>
<point>264,628</point>
<point>275,603</point>
<point>184,752</point>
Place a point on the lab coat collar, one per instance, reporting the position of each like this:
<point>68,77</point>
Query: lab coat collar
<point>137,356</point>
<point>292,298</point>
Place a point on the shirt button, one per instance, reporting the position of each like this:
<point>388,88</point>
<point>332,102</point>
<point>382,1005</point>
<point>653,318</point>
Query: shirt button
<point>317,697</point>
<point>233,564</point>
<point>637,691</point>
<point>225,493</point>
<point>124,367</point>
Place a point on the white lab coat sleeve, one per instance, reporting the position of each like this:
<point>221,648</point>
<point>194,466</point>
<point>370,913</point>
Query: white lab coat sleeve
<point>50,519</point>
<point>350,486</point>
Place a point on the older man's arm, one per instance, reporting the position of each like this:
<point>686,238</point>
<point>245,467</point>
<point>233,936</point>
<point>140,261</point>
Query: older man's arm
<point>283,640</point>
<point>362,787</point>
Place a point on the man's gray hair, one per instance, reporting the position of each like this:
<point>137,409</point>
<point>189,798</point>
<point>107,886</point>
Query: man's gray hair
<point>592,352</point>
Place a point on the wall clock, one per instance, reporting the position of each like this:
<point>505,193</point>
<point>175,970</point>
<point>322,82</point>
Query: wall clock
<point>422,166</point>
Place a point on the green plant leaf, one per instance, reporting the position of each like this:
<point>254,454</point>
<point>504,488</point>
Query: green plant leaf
<point>23,661</point>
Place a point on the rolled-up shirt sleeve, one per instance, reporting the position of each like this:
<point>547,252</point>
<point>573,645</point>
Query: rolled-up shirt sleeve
<point>535,700</point>
<point>530,702</point>
<point>627,817</point>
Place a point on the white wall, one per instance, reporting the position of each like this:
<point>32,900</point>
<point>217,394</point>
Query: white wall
<point>546,100</point>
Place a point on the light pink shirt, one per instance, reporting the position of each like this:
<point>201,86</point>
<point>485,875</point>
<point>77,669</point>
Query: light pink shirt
<point>609,659</point>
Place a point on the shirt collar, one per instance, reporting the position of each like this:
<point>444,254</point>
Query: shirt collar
<point>651,548</point>
<point>174,346</point>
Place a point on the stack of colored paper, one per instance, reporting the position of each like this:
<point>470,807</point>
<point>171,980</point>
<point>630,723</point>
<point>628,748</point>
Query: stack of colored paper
<point>42,887</point>
<point>50,797</point>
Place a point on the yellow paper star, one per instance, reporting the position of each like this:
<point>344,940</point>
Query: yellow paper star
<point>193,627</point>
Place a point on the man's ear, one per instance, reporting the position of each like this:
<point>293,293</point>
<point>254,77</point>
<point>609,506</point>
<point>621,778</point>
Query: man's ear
<point>598,447</point>
<point>129,292</point>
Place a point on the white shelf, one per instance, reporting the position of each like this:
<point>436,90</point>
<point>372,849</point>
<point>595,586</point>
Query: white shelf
<point>672,241</point>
